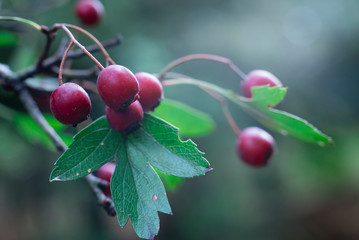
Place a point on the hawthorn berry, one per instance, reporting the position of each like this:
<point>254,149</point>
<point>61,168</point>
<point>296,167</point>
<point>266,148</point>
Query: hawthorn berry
<point>258,78</point>
<point>70,104</point>
<point>105,173</point>
<point>117,86</point>
<point>89,12</point>
<point>125,120</point>
<point>255,146</point>
<point>150,91</point>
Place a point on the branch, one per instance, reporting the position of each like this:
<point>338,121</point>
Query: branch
<point>94,182</point>
<point>36,114</point>
<point>48,63</point>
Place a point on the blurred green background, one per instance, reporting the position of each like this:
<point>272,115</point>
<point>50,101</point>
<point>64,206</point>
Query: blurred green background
<point>306,192</point>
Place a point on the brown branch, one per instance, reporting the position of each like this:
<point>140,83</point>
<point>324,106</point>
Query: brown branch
<point>48,63</point>
<point>94,182</point>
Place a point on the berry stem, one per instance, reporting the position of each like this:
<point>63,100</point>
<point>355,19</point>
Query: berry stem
<point>63,61</point>
<point>223,92</point>
<point>22,20</point>
<point>93,38</point>
<point>219,98</point>
<point>73,39</point>
<point>201,56</point>
<point>225,110</point>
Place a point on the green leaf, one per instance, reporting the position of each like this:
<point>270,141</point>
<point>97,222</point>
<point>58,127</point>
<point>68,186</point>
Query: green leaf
<point>32,132</point>
<point>137,190</point>
<point>191,122</point>
<point>171,182</point>
<point>260,107</point>
<point>263,97</point>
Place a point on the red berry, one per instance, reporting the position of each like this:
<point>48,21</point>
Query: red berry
<point>150,91</point>
<point>117,86</point>
<point>89,12</point>
<point>255,146</point>
<point>105,173</point>
<point>70,104</point>
<point>258,78</point>
<point>125,120</point>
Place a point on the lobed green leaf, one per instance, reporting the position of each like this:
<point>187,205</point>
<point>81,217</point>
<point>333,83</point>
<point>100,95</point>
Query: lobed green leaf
<point>137,190</point>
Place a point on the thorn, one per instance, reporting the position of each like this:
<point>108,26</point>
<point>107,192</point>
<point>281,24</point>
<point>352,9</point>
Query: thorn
<point>152,236</point>
<point>208,169</point>
<point>171,213</point>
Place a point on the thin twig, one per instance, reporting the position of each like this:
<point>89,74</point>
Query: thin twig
<point>54,60</point>
<point>50,36</point>
<point>77,73</point>
<point>36,114</point>
<point>74,40</point>
<point>93,38</point>
<point>102,199</point>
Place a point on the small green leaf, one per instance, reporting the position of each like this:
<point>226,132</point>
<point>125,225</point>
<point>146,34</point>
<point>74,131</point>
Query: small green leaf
<point>32,132</point>
<point>191,122</point>
<point>286,123</point>
<point>137,190</point>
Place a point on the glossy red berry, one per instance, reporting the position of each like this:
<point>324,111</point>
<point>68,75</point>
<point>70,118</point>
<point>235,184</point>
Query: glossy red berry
<point>105,173</point>
<point>125,120</point>
<point>117,86</point>
<point>258,78</point>
<point>255,146</point>
<point>70,104</point>
<point>150,91</point>
<point>89,12</point>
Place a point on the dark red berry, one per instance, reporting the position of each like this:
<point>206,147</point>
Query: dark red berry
<point>258,78</point>
<point>105,173</point>
<point>117,86</point>
<point>125,120</point>
<point>89,12</point>
<point>150,91</point>
<point>70,104</point>
<point>255,146</point>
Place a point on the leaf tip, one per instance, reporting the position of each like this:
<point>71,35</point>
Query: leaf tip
<point>208,169</point>
<point>329,141</point>
<point>55,179</point>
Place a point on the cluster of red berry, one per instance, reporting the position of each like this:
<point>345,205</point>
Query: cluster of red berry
<point>125,94</point>
<point>254,145</point>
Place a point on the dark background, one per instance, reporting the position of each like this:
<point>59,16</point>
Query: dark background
<point>307,192</point>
